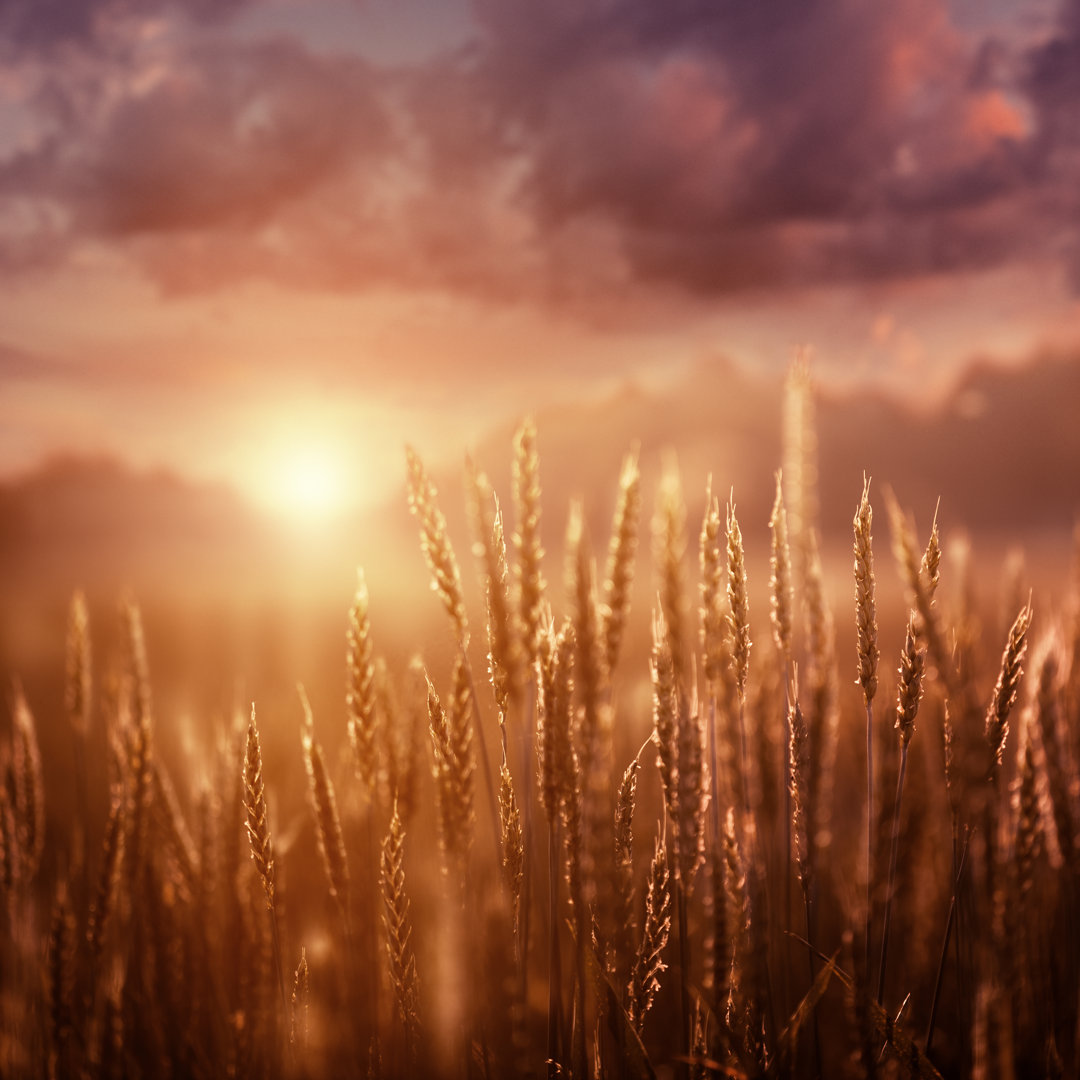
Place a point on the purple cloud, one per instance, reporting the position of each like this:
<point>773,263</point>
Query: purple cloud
<point>571,151</point>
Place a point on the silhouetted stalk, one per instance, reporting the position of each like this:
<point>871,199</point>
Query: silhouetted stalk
<point>945,951</point>
<point>787,925</point>
<point>686,1035</point>
<point>869,828</point>
<point>528,722</point>
<point>277,960</point>
<point>554,962</point>
<point>810,950</point>
<point>892,873</point>
<point>714,800</point>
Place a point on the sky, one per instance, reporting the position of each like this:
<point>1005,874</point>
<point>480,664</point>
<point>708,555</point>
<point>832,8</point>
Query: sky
<point>267,241</point>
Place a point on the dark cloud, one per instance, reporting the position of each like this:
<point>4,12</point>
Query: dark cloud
<point>573,150</point>
<point>50,25</point>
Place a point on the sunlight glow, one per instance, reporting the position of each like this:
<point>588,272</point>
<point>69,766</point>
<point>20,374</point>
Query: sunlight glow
<point>307,483</point>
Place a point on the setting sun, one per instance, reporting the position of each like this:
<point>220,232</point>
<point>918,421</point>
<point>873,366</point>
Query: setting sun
<point>306,482</point>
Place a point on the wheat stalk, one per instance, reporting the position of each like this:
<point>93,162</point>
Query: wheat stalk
<point>513,847</point>
<point>528,569</point>
<point>1005,690</point>
<point>656,928</point>
<point>619,577</point>
<point>361,701</point>
<point>258,833</point>
<point>868,652</point>
<point>669,544</point>
<point>299,1015</point>
<point>325,811</point>
<point>435,544</point>
<point>625,804</point>
<point>398,926</point>
<point>29,789</point>
<point>505,667</point>
<point>909,694</point>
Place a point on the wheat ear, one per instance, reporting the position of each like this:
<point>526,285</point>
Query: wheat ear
<point>619,577</point>
<point>258,832</point>
<point>655,930</point>
<point>528,569</point>
<point>361,700</point>
<point>398,925</point>
<point>868,652</point>
<point>325,811</point>
<point>909,694</point>
<point>435,544</point>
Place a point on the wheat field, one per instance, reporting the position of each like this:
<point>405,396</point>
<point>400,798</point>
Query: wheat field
<point>767,844</point>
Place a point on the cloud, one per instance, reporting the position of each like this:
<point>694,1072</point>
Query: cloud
<point>48,26</point>
<point>574,154</point>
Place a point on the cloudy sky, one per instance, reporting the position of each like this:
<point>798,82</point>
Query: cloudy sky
<point>243,237</point>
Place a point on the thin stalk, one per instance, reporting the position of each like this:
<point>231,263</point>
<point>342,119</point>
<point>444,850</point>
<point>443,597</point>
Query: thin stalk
<point>957,951</point>
<point>944,952</point>
<point>371,904</point>
<point>529,719</point>
<point>869,828</point>
<point>81,788</point>
<point>713,799</point>
<point>786,922</point>
<point>581,1060</point>
<point>277,960</point>
<point>810,950</point>
<point>744,755</point>
<point>756,884</point>
<point>554,966</point>
<point>485,760</point>
<point>892,873</point>
<point>685,1016</point>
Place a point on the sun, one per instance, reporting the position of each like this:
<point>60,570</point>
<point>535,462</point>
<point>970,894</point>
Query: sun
<point>308,483</point>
